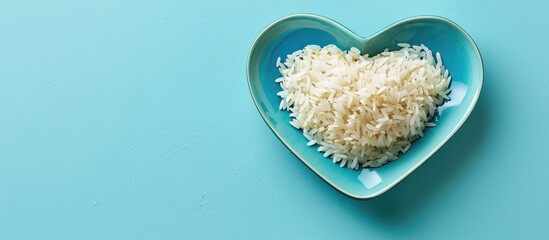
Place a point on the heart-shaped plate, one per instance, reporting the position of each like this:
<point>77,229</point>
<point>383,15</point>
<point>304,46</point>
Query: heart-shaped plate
<point>460,56</point>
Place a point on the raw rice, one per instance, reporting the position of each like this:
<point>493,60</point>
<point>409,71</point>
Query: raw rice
<point>361,110</point>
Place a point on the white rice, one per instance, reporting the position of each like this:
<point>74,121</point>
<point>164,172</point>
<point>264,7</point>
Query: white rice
<point>360,110</point>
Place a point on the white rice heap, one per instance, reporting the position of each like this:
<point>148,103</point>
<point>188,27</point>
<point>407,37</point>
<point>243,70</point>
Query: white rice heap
<point>360,110</point>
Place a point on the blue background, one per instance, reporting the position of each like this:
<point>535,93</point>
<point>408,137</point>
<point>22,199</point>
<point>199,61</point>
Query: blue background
<point>132,120</point>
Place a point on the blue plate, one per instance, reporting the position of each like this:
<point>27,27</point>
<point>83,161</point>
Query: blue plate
<point>460,56</point>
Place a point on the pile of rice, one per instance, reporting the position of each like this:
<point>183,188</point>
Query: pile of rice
<point>360,110</point>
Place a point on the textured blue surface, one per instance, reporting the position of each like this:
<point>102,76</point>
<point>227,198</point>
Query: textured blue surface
<point>117,119</point>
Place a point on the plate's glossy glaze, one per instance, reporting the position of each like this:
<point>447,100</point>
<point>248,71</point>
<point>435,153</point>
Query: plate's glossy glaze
<point>460,56</point>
